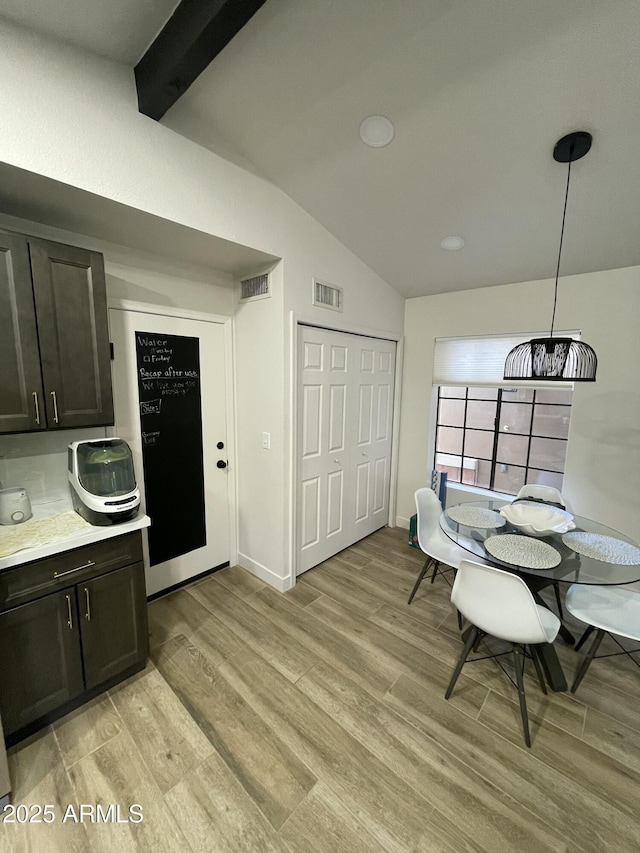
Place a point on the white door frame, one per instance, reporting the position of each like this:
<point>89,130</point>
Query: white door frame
<point>226,322</point>
<point>295,321</point>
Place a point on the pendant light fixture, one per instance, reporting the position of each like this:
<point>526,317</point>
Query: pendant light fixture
<point>556,359</point>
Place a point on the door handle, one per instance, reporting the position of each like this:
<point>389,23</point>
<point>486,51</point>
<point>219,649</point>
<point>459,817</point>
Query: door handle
<point>87,613</point>
<point>37,407</point>
<point>221,463</point>
<point>55,406</point>
<point>70,619</point>
<point>337,461</point>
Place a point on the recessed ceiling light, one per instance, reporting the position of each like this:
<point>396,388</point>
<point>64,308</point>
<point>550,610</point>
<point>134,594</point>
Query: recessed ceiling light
<point>452,243</point>
<point>376,131</point>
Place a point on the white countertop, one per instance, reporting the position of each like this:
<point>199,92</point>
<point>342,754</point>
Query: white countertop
<point>77,539</point>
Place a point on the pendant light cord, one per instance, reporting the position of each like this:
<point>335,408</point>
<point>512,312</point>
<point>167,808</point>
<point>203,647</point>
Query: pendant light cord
<point>564,214</point>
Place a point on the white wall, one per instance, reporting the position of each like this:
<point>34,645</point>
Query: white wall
<point>262,489</point>
<point>74,118</point>
<point>143,277</point>
<point>172,289</point>
<point>603,456</point>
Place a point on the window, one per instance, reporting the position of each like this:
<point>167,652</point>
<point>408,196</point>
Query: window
<point>490,434</point>
<point>501,438</point>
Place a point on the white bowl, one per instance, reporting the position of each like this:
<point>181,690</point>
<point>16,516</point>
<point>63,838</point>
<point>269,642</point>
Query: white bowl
<point>539,520</point>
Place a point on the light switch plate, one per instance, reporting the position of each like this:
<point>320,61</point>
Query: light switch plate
<point>266,441</point>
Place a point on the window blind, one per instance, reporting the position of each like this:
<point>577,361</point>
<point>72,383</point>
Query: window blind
<point>480,360</point>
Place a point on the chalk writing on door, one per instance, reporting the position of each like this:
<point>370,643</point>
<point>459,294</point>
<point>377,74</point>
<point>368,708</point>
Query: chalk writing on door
<point>171,428</point>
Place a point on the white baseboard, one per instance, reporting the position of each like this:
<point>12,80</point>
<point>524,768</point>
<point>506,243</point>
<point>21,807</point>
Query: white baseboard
<point>265,574</point>
<point>402,522</point>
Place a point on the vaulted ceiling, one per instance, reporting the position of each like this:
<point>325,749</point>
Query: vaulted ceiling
<point>478,91</point>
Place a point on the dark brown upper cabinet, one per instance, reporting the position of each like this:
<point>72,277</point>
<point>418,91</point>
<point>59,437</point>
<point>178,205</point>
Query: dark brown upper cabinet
<point>54,342</point>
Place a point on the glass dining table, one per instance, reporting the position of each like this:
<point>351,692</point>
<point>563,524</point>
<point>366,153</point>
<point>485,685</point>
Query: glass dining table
<point>589,553</point>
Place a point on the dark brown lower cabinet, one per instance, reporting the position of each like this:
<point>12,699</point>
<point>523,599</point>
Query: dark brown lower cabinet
<point>113,623</point>
<point>63,647</point>
<point>40,659</point>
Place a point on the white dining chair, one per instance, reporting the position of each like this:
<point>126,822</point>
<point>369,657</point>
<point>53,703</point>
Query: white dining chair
<point>443,555</point>
<point>550,495</point>
<point>612,610</point>
<point>500,604</point>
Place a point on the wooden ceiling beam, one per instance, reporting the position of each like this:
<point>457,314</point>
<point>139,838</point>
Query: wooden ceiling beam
<point>192,37</point>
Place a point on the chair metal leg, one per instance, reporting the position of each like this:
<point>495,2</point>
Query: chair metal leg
<point>427,563</point>
<point>518,659</point>
<point>479,639</point>
<point>590,656</point>
<point>459,620</point>
<point>471,638</point>
<point>533,651</point>
<point>556,589</point>
<point>436,566</point>
<point>584,637</point>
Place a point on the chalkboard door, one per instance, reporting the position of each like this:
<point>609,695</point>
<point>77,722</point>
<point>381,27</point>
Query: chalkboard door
<point>170,405</point>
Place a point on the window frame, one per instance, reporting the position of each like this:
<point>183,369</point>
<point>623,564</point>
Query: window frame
<point>494,463</point>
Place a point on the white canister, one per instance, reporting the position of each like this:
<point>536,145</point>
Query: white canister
<point>15,505</point>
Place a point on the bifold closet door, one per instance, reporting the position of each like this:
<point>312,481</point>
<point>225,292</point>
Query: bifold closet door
<point>345,416</point>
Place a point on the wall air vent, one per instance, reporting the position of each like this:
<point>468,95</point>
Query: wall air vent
<point>327,295</point>
<point>255,288</point>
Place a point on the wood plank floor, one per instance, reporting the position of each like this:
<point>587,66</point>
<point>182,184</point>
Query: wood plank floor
<point>315,721</point>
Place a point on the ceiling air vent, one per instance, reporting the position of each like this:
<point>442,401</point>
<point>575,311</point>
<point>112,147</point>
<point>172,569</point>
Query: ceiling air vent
<point>327,295</point>
<point>255,288</point>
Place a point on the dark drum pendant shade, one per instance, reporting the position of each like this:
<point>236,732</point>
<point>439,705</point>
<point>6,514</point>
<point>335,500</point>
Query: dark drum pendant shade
<point>552,359</point>
<point>556,359</point>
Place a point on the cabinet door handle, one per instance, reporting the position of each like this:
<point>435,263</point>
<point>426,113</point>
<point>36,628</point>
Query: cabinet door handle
<point>37,407</point>
<point>55,406</point>
<point>87,614</point>
<point>87,565</point>
<point>70,619</point>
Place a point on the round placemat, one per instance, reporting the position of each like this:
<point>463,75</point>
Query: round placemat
<point>604,548</point>
<point>522,551</point>
<point>475,516</point>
